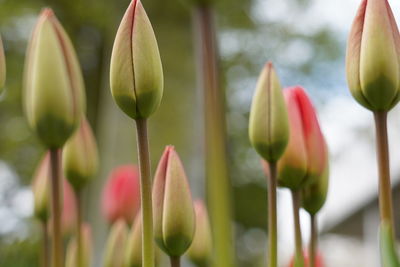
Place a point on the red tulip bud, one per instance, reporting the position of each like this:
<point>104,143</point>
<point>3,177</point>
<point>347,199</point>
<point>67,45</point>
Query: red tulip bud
<point>305,157</point>
<point>121,194</point>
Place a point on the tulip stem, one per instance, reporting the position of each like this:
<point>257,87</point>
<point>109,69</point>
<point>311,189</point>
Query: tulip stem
<point>296,198</point>
<point>216,161</point>
<point>57,246</point>
<point>79,228</point>
<point>45,247</point>
<point>272,218</point>
<point>382,149</point>
<point>313,240</point>
<point>145,193</point>
<point>175,261</point>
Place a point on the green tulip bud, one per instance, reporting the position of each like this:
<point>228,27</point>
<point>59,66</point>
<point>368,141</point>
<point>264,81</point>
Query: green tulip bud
<point>200,252</point>
<point>314,195</point>
<point>41,189</point>
<point>54,90</point>
<point>2,66</point>
<point>86,253</point>
<point>136,74</point>
<point>373,57</point>
<point>114,253</point>
<point>174,217</point>
<point>269,128</point>
<point>80,157</point>
<point>133,252</point>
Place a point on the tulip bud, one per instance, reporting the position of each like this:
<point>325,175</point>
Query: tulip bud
<point>80,157</point>
<point>268,127</point>
<point>114,253</point>
<point>305,157</point>
<point>54,90</point>
<point>41,193</point>
<point>314,195</point>
<point>2,67</point>
<point>136,74</point>
<point>174,218</point>
<point>373,57</point>
<point>200,252</point>
<point>70,209</point>
<point>133,252</point>
<point>121,194</point>
<point>86,253</point>
<point>41,189</point>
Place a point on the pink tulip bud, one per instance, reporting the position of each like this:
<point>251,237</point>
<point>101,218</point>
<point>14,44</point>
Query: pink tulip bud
<point>69,213</point>
<point>174,217</point>
<point>121,194</point>
<point>305,157</point>
<point>2,66</point>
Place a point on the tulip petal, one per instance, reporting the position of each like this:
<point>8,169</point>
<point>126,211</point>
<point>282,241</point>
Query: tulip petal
<point>2,66</point>
<point>353,56</point>
<point>147,66</point>
<point>379,62</point>
<point>122,77</point>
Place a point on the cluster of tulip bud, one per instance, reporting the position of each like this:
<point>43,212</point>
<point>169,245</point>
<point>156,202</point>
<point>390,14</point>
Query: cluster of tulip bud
<point>283,129</point>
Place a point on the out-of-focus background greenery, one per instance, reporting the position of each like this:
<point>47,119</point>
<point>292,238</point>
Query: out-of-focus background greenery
<point>249,34</point>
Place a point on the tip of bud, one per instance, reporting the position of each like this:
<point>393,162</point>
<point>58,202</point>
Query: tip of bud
<point>47,12</point>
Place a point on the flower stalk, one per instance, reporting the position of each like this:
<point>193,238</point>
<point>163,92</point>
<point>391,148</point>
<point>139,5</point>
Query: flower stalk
<point>45,245</point>
<point>175,261</point>
<point>57,246</point>
<point>296,202</point>
<point>217,179</point>
<point>382,150</point>
<point>313,240</point>
<point>145,193</point>
<point>272,217</point>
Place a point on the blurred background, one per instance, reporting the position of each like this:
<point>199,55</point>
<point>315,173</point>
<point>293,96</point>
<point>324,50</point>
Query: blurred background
<point>305,39</point>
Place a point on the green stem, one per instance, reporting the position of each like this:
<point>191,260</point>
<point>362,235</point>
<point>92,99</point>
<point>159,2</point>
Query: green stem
<point>272,218</point>
<point>79,228</point>
<point>175,261</point>
<point>145,193</point>
<point>216,161</point>
<point>299,258</point>
<point>313,240</point>
<point>382,151</point>
<point>57,246</point>
<point>45,247</point>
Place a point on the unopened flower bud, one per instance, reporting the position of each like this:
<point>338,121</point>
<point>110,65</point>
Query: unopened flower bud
<point>86,246</point>
<point>200,252</point>
<point>373,56</point>
<point>305,157</point>
<point>314,195</point>
<point>174,217</point>
<point>80,156</point>
<point>133,252</point>
<point>116,244</point>
<point>136,74</point>
<point>54,90</point>
<point>121,194</point>
<point>268,126</point>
